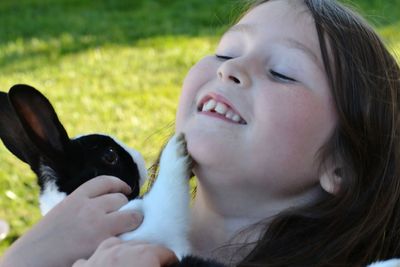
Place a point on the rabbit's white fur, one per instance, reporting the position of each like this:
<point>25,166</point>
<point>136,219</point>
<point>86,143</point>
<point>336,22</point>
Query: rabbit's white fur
<point>50,196</point>
<point>388,263</point>
<point>166,206</point>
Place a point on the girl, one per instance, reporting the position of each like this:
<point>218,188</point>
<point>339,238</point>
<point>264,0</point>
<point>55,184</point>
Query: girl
<point>293,125</point>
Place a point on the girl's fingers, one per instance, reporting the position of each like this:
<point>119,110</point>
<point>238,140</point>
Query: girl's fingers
<point>165,256</point>
<point>115,252</point>
<point>111,202</point>
<point>109,242</point>
<point>124,221</point>
<point>103,185</point>
<point>79,263</point>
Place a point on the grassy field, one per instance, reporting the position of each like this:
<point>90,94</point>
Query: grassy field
<point>114,67</point>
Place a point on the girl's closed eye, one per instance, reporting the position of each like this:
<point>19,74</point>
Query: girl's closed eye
<point>275,75</point>
<point>281,77</point>
<point>222,57</point>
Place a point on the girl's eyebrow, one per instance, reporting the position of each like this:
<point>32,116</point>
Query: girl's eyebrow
<point>292,43</point>
<point>249,29</point>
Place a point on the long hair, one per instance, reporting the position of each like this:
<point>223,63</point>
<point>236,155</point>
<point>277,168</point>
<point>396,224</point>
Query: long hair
<point>361,223</point>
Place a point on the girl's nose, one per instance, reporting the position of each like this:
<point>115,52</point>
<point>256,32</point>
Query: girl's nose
<point>232,72</point>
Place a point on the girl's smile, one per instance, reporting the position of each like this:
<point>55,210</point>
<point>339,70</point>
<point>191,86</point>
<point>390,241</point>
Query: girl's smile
<point>217,106</point>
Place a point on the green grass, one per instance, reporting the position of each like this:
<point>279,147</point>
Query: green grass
<point>378,12</point>
<point>114,67</point>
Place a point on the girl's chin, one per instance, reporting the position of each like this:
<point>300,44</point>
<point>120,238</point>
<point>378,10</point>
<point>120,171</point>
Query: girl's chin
<point>205,149</point>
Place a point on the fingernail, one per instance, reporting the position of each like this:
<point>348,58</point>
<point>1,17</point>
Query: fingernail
<point>127,190</point>
<point>137,218</point>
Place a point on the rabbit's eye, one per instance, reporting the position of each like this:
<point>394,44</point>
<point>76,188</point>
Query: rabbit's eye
<point>110,156</point>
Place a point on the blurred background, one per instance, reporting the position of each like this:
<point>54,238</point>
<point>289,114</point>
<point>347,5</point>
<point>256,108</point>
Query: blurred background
<point>115,67</point>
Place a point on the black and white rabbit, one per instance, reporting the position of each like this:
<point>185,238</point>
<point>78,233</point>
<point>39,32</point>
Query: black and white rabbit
<point>31,130</point>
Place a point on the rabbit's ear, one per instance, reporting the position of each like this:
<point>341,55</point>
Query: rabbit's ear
<point>39,120</point>
<point>13,134</point>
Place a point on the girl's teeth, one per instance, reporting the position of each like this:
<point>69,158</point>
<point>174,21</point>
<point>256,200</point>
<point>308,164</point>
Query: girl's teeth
<point>210,105</point>
<point>236,118</point>
<point>229,114</point>
<point>221,108</point>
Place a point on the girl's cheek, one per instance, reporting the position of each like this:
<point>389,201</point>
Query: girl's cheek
<point>300,121</point>
<point>182,110</point>
<point>204,70</point>
<point>198,76</point>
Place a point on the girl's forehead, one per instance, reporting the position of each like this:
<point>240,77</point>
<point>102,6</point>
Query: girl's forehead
<point>292,13</point>
<point>282,21</point>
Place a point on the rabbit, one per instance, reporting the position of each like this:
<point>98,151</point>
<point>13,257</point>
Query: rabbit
<point>31,130</point>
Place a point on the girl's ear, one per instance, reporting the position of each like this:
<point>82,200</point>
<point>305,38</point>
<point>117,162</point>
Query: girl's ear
<point>331,180</point>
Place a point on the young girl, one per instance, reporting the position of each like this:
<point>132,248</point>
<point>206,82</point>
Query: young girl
<point>293,125</point>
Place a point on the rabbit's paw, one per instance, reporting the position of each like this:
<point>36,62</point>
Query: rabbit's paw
<point>175,157</point>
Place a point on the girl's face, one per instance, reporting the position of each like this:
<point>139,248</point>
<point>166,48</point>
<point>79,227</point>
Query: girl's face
<point>256,113</point>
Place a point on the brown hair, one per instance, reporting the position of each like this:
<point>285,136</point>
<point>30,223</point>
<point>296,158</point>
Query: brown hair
<point>361,223</point>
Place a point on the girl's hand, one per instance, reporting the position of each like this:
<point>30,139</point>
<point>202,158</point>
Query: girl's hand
<point>117,253</point>
<point>75,227</point>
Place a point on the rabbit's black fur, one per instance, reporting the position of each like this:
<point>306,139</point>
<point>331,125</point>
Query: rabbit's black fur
<point>31,130</point>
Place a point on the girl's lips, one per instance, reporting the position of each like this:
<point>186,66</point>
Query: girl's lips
<point>218,106</point>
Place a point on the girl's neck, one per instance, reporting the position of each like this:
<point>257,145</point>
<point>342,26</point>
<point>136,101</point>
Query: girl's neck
<point>218,235</point>
<point>223,216</point>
